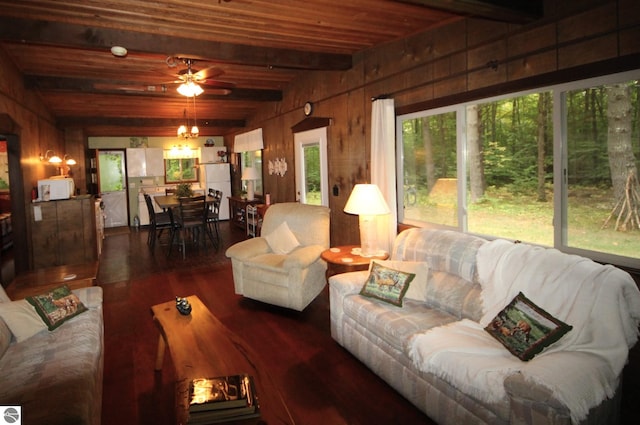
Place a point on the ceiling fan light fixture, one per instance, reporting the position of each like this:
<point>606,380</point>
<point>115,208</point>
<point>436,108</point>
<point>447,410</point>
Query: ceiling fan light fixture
<point>190,89</point>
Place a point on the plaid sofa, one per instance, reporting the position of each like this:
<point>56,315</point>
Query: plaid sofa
<point>56,376</point>
<point>378,334</point>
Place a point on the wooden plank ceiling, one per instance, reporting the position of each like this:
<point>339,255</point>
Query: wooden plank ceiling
<point>250,49</point>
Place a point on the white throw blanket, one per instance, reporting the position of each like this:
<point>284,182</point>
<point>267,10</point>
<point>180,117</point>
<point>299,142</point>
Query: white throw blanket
<point>602,303</point>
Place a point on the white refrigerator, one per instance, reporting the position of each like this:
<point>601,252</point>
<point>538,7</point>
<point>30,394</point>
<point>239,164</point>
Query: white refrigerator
<point>217,177</point>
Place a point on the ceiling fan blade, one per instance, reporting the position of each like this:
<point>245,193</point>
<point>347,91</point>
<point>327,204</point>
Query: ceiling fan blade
<point>211,72</point>
<point>217,84</point>
<point>219,92</point>
<point>157,88</point>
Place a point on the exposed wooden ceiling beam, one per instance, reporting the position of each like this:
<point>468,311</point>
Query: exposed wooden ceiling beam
<point>144,122</point>
<point>497,10</point>
<point>80,36</point>
<point>135,88</point>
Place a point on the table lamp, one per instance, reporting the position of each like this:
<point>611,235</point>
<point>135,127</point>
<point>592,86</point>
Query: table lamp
<point>367,201</point>
<point>249,174</point>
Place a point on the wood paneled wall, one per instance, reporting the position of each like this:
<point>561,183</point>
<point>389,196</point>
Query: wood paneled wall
<point>33,125</point>
<point>462,61</point>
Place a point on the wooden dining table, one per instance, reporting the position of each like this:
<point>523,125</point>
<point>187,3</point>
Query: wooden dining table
<point>171,201</point>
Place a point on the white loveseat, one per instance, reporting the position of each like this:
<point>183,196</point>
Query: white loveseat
<point>436,353</point>
<point>56,376</point>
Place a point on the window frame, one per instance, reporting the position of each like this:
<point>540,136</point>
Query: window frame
<point>559,155</point>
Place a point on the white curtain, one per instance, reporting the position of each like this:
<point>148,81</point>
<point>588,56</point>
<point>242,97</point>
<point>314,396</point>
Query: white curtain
<point>383,167</point>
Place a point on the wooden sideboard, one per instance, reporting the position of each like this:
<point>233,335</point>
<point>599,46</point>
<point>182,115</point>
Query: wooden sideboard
<point>63,232</point>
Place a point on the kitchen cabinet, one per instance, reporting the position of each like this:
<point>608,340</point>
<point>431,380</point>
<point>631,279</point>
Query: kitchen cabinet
<point>145,162</point>
<point>63,232</point>
<point>154,158</point>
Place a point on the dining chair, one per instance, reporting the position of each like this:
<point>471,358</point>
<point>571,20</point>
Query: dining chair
<point>191,222</point>
<point>213,215</point>
<point>158,222</point>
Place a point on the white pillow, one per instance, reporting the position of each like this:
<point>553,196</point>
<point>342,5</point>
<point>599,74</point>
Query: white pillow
<point>418,286</point>
<point>282,240</point>
<point>22,318</point>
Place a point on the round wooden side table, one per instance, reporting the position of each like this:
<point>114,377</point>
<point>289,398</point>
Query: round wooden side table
<point>342,259</point>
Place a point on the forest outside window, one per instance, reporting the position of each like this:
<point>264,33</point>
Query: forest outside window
<point>180,170</point>
<point>555,167</point>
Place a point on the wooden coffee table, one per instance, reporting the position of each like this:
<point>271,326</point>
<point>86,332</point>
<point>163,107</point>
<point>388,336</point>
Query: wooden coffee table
<point>202,347</point>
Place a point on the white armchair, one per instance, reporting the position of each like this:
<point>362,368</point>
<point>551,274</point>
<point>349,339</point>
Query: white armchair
<point>291,279</point>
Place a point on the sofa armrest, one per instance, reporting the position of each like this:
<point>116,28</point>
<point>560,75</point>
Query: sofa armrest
<point>90,296</point>
<point>341,286</point>
<point>531,401</point>
<point>344,284</point>
<point>568,388</point>
<point>248,248</point>
<point>303,257</point>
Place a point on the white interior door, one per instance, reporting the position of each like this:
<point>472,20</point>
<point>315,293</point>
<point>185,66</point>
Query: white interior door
<point>113,187</point>
<point>312,181</point>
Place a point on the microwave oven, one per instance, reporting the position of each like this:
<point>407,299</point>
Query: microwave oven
<point>53,189</point>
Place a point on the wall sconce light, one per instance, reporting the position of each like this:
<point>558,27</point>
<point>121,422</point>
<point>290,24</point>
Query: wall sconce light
<point>68,160</point>
<point>52,159</point>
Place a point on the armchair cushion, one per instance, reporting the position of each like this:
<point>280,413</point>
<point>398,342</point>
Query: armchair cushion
<point>282,240</point>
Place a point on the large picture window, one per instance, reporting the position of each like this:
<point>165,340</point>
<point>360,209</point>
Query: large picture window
<point>555,167</point>
<point>430,169</point>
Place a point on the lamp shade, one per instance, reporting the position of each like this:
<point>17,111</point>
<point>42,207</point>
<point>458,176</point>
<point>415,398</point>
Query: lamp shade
<point>366,199</point>
<point>250,173</point>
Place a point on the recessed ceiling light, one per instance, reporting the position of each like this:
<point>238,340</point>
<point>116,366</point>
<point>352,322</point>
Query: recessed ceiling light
<point>119,51</point>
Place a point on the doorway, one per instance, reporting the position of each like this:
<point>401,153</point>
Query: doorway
<point>112,185</point>
<point>312,179</point>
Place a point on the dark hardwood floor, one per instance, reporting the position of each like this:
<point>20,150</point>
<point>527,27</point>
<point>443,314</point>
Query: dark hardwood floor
<point>320,381</point>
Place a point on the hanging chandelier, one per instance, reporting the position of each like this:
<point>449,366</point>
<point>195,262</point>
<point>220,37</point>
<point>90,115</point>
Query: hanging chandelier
<point>183,132</point>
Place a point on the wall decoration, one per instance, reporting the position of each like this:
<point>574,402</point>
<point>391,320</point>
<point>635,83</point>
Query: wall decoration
<point>278,167</point>
<point>138,142</point>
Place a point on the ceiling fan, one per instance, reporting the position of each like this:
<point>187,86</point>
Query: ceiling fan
<point>190,80</point>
